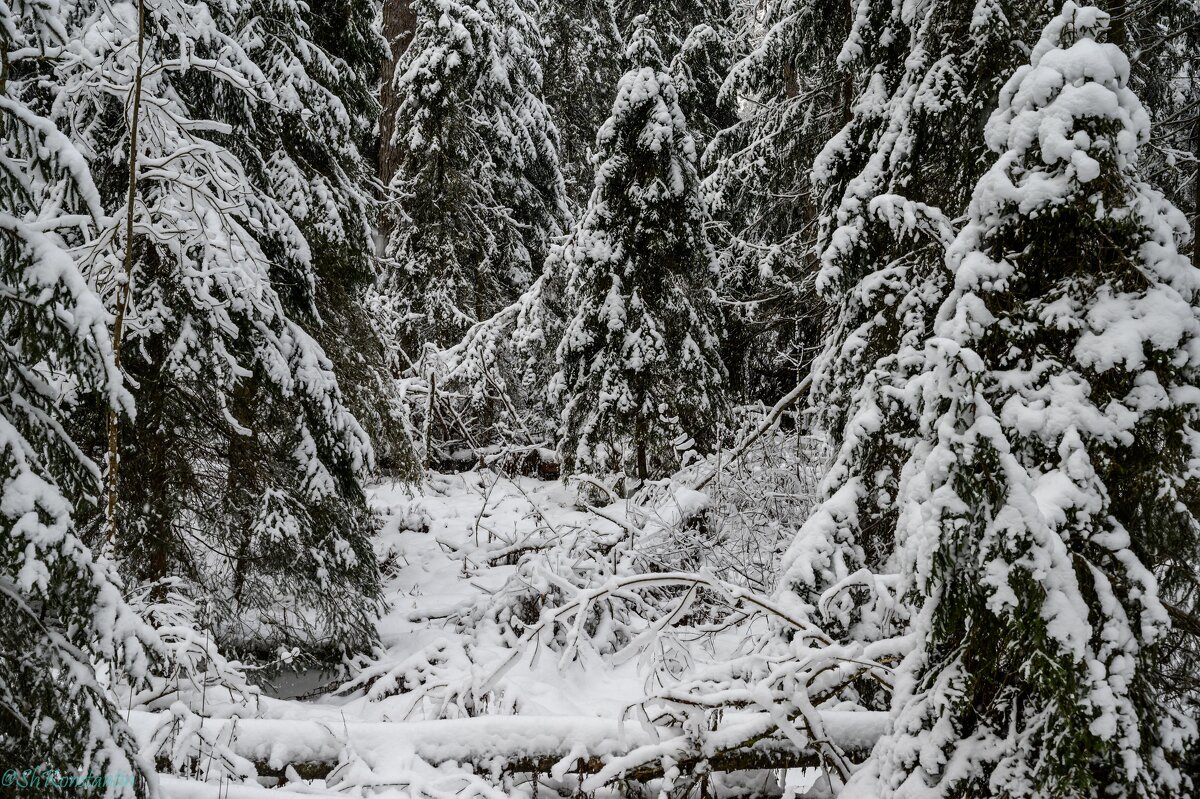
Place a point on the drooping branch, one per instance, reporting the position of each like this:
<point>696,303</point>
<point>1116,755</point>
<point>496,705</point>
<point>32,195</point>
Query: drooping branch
<point>768,423</point>
<point>1182,620</point>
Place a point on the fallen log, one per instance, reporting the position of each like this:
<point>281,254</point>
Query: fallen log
<point>528,744</point>
<point>778,754</point>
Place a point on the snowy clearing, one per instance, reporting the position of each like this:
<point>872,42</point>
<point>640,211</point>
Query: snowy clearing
<point>584,716</point>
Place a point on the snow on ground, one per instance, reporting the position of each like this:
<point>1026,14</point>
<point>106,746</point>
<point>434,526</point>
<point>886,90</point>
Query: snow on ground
<point>440,536</point>
<point>431,693</point>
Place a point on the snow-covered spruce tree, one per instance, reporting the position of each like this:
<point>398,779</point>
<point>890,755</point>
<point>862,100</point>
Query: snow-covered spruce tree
<point>61,609</point>
<point>477,196</point>
<point>584,51</point>
<point>700,54</point>
<point>639,368</point>
<point>585,57</point>
<point>761,196</point>
<point>893,179</point>
<point>1163,44</point>
<point>241,470</point>
<point>1059,463</point>
<point>306,151</point>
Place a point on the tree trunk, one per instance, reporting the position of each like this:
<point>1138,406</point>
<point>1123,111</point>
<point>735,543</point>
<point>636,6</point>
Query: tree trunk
<point>243,483</point>
<point>1196,194</point>
<point>1117,31</point>
<point>791,85</point>
<point>112,477</point>
<point>399,24</point>
<point>155,489</point>
<point>847,94</point>
<point>150,491</point>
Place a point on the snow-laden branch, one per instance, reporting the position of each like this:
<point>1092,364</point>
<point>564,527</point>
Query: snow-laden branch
<point>577,608</point>
<point>786,402</point>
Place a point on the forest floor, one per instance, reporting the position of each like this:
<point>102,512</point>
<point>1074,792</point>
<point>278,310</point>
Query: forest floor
<point>448,545</point>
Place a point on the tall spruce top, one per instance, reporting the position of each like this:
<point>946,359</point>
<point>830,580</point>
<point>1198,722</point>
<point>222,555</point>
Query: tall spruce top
<point>639,370</point>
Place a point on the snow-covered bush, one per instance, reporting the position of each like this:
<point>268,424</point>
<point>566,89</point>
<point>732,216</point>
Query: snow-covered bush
<point>746,510</point>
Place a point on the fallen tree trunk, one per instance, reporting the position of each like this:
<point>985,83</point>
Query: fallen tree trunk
<point>778,754</point>
<point>527,744</point>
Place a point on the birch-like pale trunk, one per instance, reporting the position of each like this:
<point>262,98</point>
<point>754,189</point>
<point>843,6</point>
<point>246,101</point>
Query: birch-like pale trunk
<point>124,285</point>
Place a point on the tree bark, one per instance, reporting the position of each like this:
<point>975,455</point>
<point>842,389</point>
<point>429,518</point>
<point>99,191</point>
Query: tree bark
<point>123,289</point>
<point>1196,193</point>
<point>243,482</point>
<point>399,25</point>
<point>1117,31</point>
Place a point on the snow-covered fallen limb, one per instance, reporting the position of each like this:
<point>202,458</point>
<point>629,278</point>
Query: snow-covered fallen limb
<point>771,419</point>
<point>734,595</point>
<point>561,744</point>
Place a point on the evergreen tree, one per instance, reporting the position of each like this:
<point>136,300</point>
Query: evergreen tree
<point>477,196</point>
<point>1163,44</point>
<point>1057,469</point>
<point>305,150</point>
<point>697,39</point>
<point>61,609</point>
<point>639,367</point>
<point>584,50</point>
<point>761,195</point>
<point>893,180</point>
<point>241,471</point>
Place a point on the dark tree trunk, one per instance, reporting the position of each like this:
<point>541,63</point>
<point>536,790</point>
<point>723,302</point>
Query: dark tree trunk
<point>399,24</point>
<point>791,85</point>
<point>1196,194</point>
<point>244,483</point>
<point>1117,32</point>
